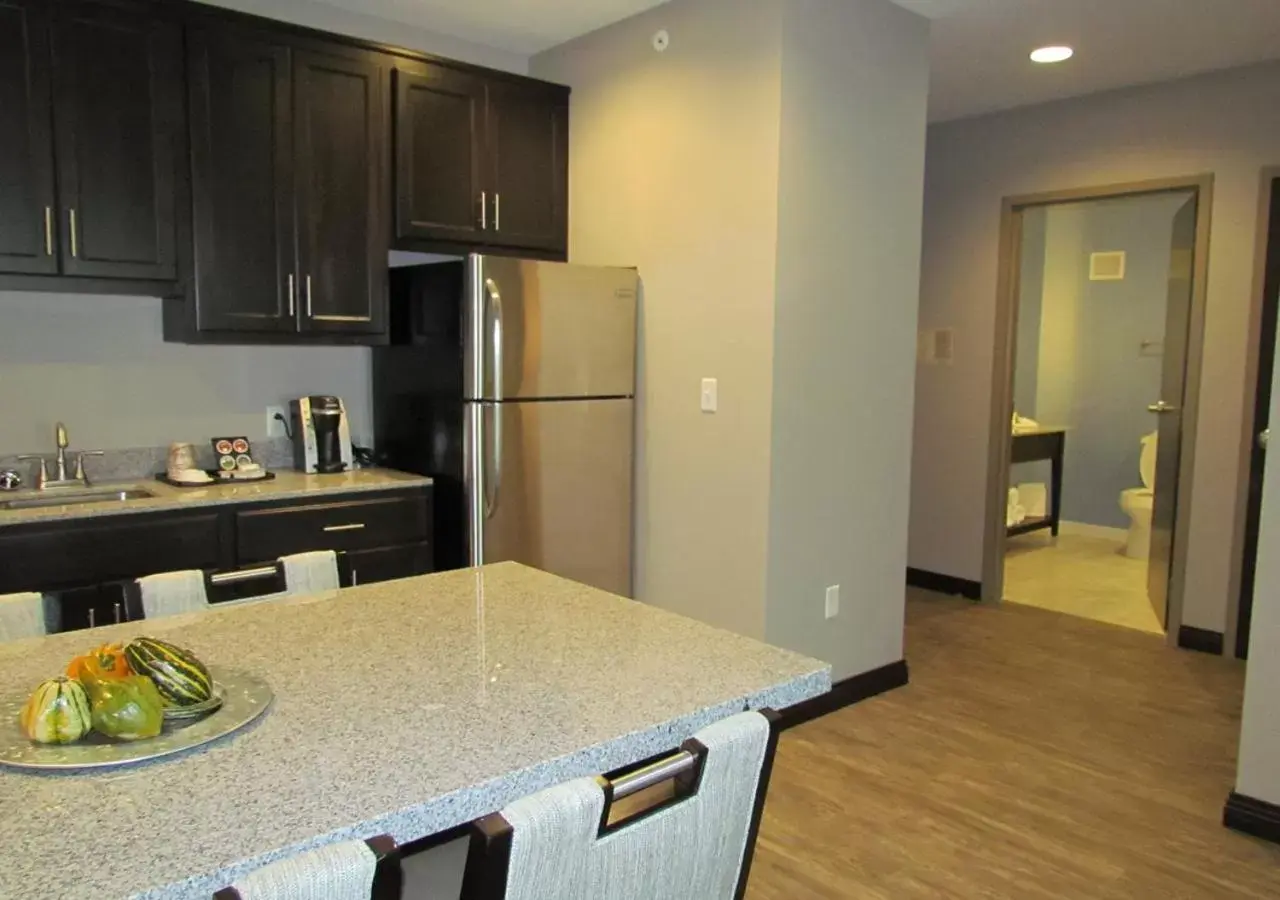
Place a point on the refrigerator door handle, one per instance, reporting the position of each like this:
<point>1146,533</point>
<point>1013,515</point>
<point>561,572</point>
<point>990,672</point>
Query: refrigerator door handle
<point>493,484</point>
<point>495,303</point>
<point>493,462</point>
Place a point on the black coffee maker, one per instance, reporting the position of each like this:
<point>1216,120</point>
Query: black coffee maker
<point>321,435</point>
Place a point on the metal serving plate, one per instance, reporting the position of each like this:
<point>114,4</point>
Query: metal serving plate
<point>245,697</point>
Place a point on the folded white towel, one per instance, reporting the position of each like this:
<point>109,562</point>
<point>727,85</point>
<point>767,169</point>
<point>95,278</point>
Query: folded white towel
<point>171,593</point>
<point>310,573</point>
<point>23,616</point>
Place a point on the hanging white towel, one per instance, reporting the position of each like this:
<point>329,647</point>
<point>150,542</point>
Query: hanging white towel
<point>343,871</point>
<point>310,573</point>
<point>171,593</point>
<point>23,616</point>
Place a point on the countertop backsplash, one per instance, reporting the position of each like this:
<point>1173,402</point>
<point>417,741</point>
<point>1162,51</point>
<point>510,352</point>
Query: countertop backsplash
<point>144,462</point>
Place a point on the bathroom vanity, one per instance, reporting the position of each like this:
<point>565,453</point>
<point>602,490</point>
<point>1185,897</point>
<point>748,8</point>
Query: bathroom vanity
<point>1034,445</point>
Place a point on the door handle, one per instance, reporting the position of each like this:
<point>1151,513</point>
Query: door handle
<point>48,231</point>
<point>1264,438</point>
<point>309,315</point>
<point>497,211</point>
<point>291,302</point>
<point>1162,408</point>
<point>71,215</point>
<point>484,210</point>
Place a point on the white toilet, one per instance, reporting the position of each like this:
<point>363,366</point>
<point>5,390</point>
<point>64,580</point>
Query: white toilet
<point>1137,502</point>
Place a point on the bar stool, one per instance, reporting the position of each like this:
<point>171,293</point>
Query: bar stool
<point>27,615</point>
<point>311,573</point>
<point>348,870</point>
<point>696,841</point>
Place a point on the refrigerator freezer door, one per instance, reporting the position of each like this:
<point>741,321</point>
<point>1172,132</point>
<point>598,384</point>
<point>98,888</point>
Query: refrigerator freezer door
<point>555,488</point>
<point>535,330</point>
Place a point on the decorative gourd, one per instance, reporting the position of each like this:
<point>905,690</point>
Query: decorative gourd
<point>127,709</point>
<point>57,712</point>
<point>107,661</point>
<point>181,678</point>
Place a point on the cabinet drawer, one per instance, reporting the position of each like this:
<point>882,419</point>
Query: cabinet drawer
<point>263,534</point>
<point>386,563</point>
<point>104,549</point>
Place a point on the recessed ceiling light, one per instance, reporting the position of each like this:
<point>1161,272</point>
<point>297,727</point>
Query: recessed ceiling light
<point>1052,54</point>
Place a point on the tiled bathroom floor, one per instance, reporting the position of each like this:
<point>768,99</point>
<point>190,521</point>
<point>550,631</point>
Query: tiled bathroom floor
<point>1079,575</point>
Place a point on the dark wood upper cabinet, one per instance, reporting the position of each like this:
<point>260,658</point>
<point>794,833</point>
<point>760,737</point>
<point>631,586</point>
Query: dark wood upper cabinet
<point>118,115</point>
<point>440,165</point>
<point>340,174</point>
<point>242,179</point>
<point>482,162</point>
<point>527,129</point>
<point>27,200</point>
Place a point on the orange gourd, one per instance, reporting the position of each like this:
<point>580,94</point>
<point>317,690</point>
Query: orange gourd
<point>105,663</point>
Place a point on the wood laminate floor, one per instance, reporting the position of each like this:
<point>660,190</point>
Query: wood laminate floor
<point>1033,755</point>
<point>1081,575</point>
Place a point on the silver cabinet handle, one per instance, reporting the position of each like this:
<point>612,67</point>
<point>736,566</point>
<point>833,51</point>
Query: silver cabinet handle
<point>92,619</point>
<point>118,619</point>
<point>484,210</point>
<point>74,248</point>
<point>354,526</point>
<point>292,306</point>
<point>497,211</point>
<point>355,578</point>
<point>309,297</point>
<point>48,231</point>
<point>1161,408</point>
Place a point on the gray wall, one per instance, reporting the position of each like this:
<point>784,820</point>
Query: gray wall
<point>674,169</point>
<point>850,193</point>
<point>765,175</point>
<point>1223,123</point>
<point>99,364</point>
<point>1092,377</point>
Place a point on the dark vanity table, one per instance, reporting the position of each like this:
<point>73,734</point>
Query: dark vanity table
<point>1034,445</point>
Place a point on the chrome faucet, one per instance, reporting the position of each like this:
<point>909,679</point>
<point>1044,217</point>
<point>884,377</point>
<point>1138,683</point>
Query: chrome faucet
<point>60,479</point>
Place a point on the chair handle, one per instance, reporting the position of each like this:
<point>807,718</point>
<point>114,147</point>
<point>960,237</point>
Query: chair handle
<point>241,575</point>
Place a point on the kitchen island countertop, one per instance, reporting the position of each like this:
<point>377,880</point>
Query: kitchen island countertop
<point>406,707</point>
<point>287,485</point>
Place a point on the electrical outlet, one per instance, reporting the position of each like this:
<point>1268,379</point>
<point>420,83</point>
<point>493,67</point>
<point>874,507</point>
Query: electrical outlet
<point>275,428</point>
<point>833,601</point>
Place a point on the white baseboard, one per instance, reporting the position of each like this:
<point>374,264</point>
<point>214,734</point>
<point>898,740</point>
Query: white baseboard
<point>1084,529</point>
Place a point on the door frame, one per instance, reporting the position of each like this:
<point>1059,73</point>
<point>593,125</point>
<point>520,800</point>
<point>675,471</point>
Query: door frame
<point>1249,428</point>
<point>1000,438</point>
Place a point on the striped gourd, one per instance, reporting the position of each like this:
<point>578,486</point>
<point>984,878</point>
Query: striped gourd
<point>57,713</point>
<point>181,678</point>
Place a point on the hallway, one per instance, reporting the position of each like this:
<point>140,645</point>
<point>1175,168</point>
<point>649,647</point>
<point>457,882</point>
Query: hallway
<point>1033,755</point>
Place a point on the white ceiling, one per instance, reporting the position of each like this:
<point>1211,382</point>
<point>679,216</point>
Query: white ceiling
<point>980,47</point>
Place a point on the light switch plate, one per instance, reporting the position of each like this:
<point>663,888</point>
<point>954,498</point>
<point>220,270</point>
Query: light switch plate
<point>710,398</point>
<point>833,601</point>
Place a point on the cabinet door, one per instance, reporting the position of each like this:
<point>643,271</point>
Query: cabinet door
<point>241,153</point>
<point>385,564</point>
<point>340,141</point>
<point>527,130</point>
<point>27,242</point>
<point>117,111</point>
<point>439,120</point>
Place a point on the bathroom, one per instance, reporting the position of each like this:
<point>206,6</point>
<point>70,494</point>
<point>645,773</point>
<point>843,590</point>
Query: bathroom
<point>1089,371</point>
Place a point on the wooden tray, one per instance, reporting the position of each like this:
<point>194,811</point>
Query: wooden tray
<point>245,697</point>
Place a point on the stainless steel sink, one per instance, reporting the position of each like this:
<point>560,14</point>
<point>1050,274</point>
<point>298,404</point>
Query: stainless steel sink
<point>78,497</point>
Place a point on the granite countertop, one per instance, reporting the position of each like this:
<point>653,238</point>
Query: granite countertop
<point>407,707</point>
<point>286,485</point>
<point>1038,429</point>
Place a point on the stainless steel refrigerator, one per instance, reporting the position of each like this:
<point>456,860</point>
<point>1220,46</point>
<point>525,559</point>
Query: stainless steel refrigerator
<point>511,382</point>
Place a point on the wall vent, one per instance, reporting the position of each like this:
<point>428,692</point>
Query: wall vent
<point>1108,266</point>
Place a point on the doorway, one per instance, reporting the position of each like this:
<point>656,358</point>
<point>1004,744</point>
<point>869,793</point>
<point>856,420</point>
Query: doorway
<point>1098,333</point>
<point>1259,431</point>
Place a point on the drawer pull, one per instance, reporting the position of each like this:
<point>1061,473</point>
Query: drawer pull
<point>354,526</point>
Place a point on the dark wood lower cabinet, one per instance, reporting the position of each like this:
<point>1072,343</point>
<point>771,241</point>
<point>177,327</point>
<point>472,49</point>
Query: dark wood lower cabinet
<point>86,562</point>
